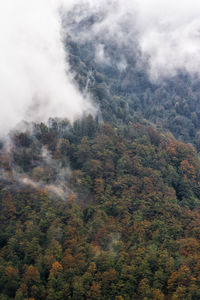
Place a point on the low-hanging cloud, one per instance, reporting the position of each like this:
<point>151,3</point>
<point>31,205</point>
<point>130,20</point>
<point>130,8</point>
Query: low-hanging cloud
<point>35,82</point>
<point>169,35</point>
<point>167,32</point>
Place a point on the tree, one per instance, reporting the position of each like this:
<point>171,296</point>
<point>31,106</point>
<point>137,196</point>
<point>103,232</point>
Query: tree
<point>95,291</point>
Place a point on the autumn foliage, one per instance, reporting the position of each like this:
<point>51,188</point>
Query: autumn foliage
<point>94,212</point>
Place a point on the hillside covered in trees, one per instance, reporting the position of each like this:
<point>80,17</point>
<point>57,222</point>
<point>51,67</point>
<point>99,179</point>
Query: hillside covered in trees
<point>93,212</point>
<point>107,207</point>
<point>116,75</point>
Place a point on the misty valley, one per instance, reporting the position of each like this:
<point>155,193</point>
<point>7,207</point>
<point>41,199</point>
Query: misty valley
<point>100,152</point>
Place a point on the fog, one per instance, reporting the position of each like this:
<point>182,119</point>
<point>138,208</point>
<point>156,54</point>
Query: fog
<point>167,32</point>
<point>35,81</point>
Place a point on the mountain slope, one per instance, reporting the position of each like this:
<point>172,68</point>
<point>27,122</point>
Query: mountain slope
<point>122,224</point>
<point>119,83</point>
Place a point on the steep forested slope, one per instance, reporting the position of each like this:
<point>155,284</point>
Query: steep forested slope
<point>92,212</point>
<point>120,83</point>
<point>105,208</point>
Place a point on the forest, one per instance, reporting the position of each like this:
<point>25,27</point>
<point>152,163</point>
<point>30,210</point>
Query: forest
<point>94,212</point>
<point>122,88</point>
<point>106,207</point>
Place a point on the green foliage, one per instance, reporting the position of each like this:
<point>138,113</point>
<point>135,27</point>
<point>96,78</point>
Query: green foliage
<point>122,224</point>
<point>128,95</point>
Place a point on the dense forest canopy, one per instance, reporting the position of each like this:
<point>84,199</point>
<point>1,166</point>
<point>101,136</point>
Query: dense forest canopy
<point>94,212</point>
<point>116,74</point>
<point>108,206</point>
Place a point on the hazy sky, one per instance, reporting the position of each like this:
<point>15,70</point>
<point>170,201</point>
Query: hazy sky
<point>34,79</point>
